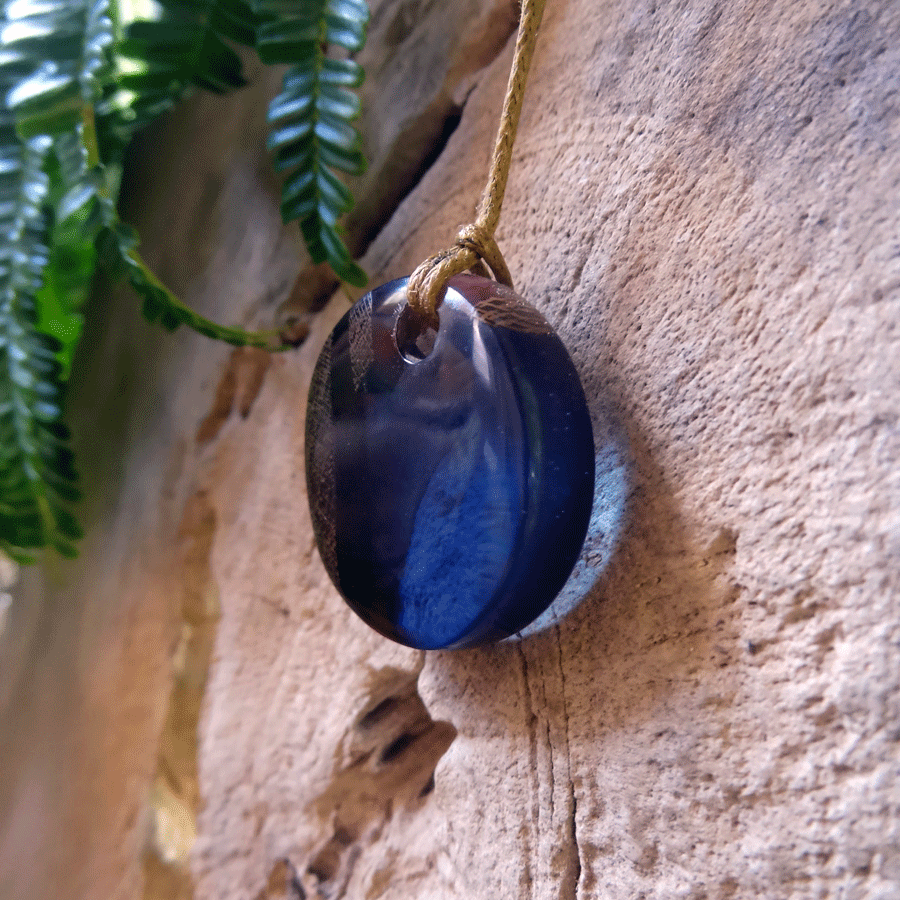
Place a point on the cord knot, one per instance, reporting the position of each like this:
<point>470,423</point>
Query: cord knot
<point>475,247</point>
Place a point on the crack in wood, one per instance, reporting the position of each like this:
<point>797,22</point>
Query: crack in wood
<point>386,762</point>
<point>531,721</point>
<point>572,877</point>
<point>175,794</point>
<point>573,871</point>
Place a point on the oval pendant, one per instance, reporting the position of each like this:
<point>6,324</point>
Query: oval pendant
<point>450,483</point>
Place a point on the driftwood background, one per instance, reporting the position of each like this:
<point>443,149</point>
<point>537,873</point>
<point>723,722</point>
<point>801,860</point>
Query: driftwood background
<point>705,201</point>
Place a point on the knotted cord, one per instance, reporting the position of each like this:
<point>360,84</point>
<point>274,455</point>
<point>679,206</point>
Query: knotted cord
<point>475,247</point>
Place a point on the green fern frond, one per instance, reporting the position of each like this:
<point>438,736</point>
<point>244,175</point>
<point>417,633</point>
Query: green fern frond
<point>37,473</point>
<point>91,201</point>
<point>54,55</point>
<point>59,183</point>
<point>117,245</point>
<point>186,47</point>
<point>312,132</point>
<point>55,190</point>
<point>59,49</point>
<point>162,60</point>
<point>73,257</point>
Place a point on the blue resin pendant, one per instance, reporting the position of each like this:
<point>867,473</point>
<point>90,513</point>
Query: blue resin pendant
<point>450,485</point>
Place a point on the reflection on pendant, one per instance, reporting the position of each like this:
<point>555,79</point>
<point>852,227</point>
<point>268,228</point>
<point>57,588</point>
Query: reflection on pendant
<point>450,481</point>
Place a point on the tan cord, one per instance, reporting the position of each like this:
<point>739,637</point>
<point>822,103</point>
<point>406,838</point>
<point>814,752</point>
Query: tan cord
<point>475,242</point>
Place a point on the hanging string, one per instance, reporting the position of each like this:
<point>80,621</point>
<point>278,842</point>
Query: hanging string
<point>475,245</point>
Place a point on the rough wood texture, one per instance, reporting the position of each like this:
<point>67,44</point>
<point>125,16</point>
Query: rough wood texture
<point>703,202</point>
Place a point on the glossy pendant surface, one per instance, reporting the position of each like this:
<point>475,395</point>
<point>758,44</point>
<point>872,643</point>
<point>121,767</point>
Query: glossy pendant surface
<point>450,487</point>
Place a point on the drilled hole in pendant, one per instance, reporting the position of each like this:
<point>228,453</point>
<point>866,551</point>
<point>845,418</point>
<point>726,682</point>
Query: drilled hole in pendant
<point>414,339</point>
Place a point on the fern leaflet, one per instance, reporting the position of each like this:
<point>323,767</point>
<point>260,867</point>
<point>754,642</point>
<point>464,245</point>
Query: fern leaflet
<point>185,47</point>
<point>54,54</point>
<point>312,132</point>
<point>37,473</point>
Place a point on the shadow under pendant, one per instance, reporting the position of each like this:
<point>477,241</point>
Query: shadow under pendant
<point>450,485</point>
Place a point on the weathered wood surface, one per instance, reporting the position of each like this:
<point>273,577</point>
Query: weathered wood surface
<point>704,203</point>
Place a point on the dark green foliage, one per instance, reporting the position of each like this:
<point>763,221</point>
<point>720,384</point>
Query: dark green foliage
<point>53,56</point>
<point>186,47</point>
<point>64,126</point>
<point>311,119</point>
<point>73,257</point>
<point>117,243</point>
<point>57,52</point>
<point>37,474</point>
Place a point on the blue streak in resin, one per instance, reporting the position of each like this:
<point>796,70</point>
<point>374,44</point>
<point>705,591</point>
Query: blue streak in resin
<point>450,495</point>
